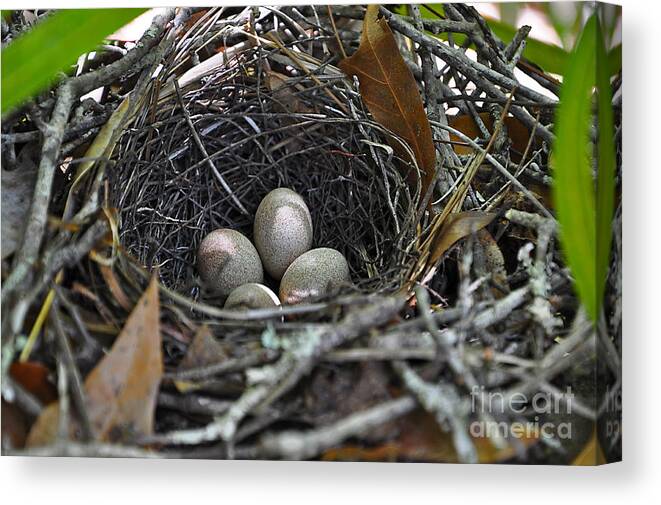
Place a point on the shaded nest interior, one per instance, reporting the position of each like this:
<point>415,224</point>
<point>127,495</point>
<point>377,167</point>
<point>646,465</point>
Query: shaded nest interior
<point>205,156</point>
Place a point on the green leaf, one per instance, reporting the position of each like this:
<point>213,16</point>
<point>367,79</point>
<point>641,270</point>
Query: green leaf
<point>606,165</point>
<point>32,61</point>
<point>585,220</point>
<point>573,188</point>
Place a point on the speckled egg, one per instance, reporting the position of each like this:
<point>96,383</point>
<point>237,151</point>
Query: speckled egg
<point>252,296</point>
<point>283,230</point>
<point>226,260</point>
<point>314,274</point>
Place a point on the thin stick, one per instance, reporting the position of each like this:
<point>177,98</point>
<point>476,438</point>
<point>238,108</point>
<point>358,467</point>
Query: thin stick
<point>337,35</point>
<point>203,150</point>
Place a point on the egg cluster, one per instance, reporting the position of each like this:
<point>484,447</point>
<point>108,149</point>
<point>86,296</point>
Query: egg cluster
<point>231,266</point>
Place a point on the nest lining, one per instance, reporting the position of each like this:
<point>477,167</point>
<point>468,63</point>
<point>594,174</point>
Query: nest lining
<point>169,196</point>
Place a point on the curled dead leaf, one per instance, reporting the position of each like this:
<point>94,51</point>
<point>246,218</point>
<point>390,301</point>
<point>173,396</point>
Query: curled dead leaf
<point>389,90</point>
<point>44,430</point>
<point>120,392</point>
<point>456,227</point>
<point>34,378</point>
<point>204,350</point>
<point>517,132</point>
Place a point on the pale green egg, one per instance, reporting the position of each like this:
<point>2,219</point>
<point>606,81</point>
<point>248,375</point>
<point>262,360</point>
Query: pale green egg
<point>252,296</point>
<point>282,230</point>
<point>226,259</point>
<point>314,274</point>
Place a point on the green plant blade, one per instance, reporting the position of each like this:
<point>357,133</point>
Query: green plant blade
<point>573,187</point>
<point>606,166</point>
<point>32,61</point>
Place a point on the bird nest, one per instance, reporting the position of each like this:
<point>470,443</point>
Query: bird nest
<point>203,156</point>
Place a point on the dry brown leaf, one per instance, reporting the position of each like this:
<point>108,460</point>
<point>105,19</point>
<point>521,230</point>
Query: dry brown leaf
<point>204,350</point>
<point>456,227</point>
<point>121,391</point>
<point>44,430</point>
<point>14,426</point>
<point>384,453</point>
<point>421,440</point>
<point>331,393</point>
<point>33,376</point>
<point>390,92</point>
<point>517,132</point>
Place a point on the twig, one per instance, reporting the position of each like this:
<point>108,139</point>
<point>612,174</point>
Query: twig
<point>435,111</point>
<point>77,391</point>
<point>275,380</point>
<point>295,445</point>
<point>515,48</point>
<point>557,359</point>
<point>529,220</point>
<point>501,169</point>
<point>337,35</point>
<point>64,417</point>
<point>203,150</point>
<point>481,75</point>
<point>193,404</point>
<point>13,392</point>
<point>444,343</point>
<point>442,401</point>
<point>64,257</point>
<point>260,357</point>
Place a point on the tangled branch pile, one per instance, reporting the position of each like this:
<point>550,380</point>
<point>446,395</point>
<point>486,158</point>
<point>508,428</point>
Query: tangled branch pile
<point>218,107</point>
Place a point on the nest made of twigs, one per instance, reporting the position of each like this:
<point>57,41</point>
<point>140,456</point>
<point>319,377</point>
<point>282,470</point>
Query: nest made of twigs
<point>203,158</point>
